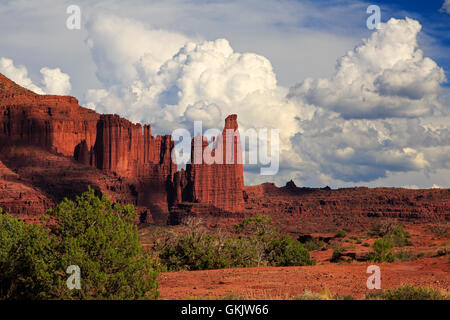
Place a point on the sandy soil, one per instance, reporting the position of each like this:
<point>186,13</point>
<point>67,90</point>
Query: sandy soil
<point>288,282</point>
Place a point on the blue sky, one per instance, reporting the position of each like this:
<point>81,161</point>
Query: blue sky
<point>354,106</point>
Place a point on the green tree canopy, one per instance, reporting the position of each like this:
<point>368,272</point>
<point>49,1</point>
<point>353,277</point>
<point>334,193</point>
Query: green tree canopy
<point>91,232</point>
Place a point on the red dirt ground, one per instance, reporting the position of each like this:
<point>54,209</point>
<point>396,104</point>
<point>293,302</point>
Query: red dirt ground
<point>342,279</point>
<point>289,282</point>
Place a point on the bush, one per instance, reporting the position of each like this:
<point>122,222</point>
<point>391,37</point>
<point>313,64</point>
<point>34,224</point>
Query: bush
<point>283,252</point>
<point>26,260</point>
<point>259,225</point>
<point>340,234</point>
<point>337,254</point>
<point>92,233</point>
<point>325,294</point>
<point>309,295</point>
<point>382,251</point>
<point>102,239</point>
<point>279,250</point>
<point>439,228</point>
<point>392,232</point>
<point>244,252</point>
<point>313,245</point>
<point>408,293</point>
<point>194,252</point>
<point>398,236</point>
<point>257,243</point>
<point>443,251</point>
<point>407,255</point>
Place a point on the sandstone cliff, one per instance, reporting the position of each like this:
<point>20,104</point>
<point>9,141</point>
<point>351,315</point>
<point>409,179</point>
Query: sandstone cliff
<point>220,182</point>
<point>51,148</point>
<point>113,145</point>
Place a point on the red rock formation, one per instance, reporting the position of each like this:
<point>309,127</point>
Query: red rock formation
<point>55,123</point>
<point>217,180</point>
<point>118,147</point>
<point>50,148</point>
<point>325,209</point>
<point>19,198</point>
<point>107,142</point>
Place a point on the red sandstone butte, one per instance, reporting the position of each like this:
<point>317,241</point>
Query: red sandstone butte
<point>218,181</point>
<point>114,148</point>
<point>51,148</point>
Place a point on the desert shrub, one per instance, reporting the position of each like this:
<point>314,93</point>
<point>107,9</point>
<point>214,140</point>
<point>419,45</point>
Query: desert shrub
<point>408,293</point>
<point>439,228</point>
<point>256,243</point>
<point>398,236</point>
<point>407,255</point>
<point>244,252</point>
<point>283,251</point>
<point>325,294</point>
<point>391,231</point>
<point>380,229</point>
<point>340,234</point>
<point>202,251</point>
<point>26,260</point>
<point>309,295</point>
<point>102,239</point>
<point>337,254</point>
<point>195,252</point>
<point>279,250</point>
<point>92,233</point>
<point>313,245</point>
<point>443,251</point>
<point>382,251</point>
<point>259,225</point>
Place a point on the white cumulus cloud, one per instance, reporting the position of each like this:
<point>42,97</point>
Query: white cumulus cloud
<point>359,150</point>
<point>200,80</point>
<point>386,76</point>
<point>53,81</point>
<point>118,45</point>
<point>18,74</point>
<point>374,118</point>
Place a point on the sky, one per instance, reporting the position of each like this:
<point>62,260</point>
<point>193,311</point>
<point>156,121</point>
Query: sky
<point>353,106</point>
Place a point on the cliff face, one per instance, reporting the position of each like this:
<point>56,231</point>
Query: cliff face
<point>51,148</point>
<point>56,123</point>
<point>116,147</point>
<point>218,179</point>
<point>128,149</point>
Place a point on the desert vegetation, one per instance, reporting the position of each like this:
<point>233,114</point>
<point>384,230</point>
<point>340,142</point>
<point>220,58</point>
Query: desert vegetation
<point>92,233</point>
<point>254,242</point>
<point>103,239</point>
<point>408,292</point>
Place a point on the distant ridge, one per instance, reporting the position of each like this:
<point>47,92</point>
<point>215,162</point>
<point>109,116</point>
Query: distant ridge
<point>9,87</point>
